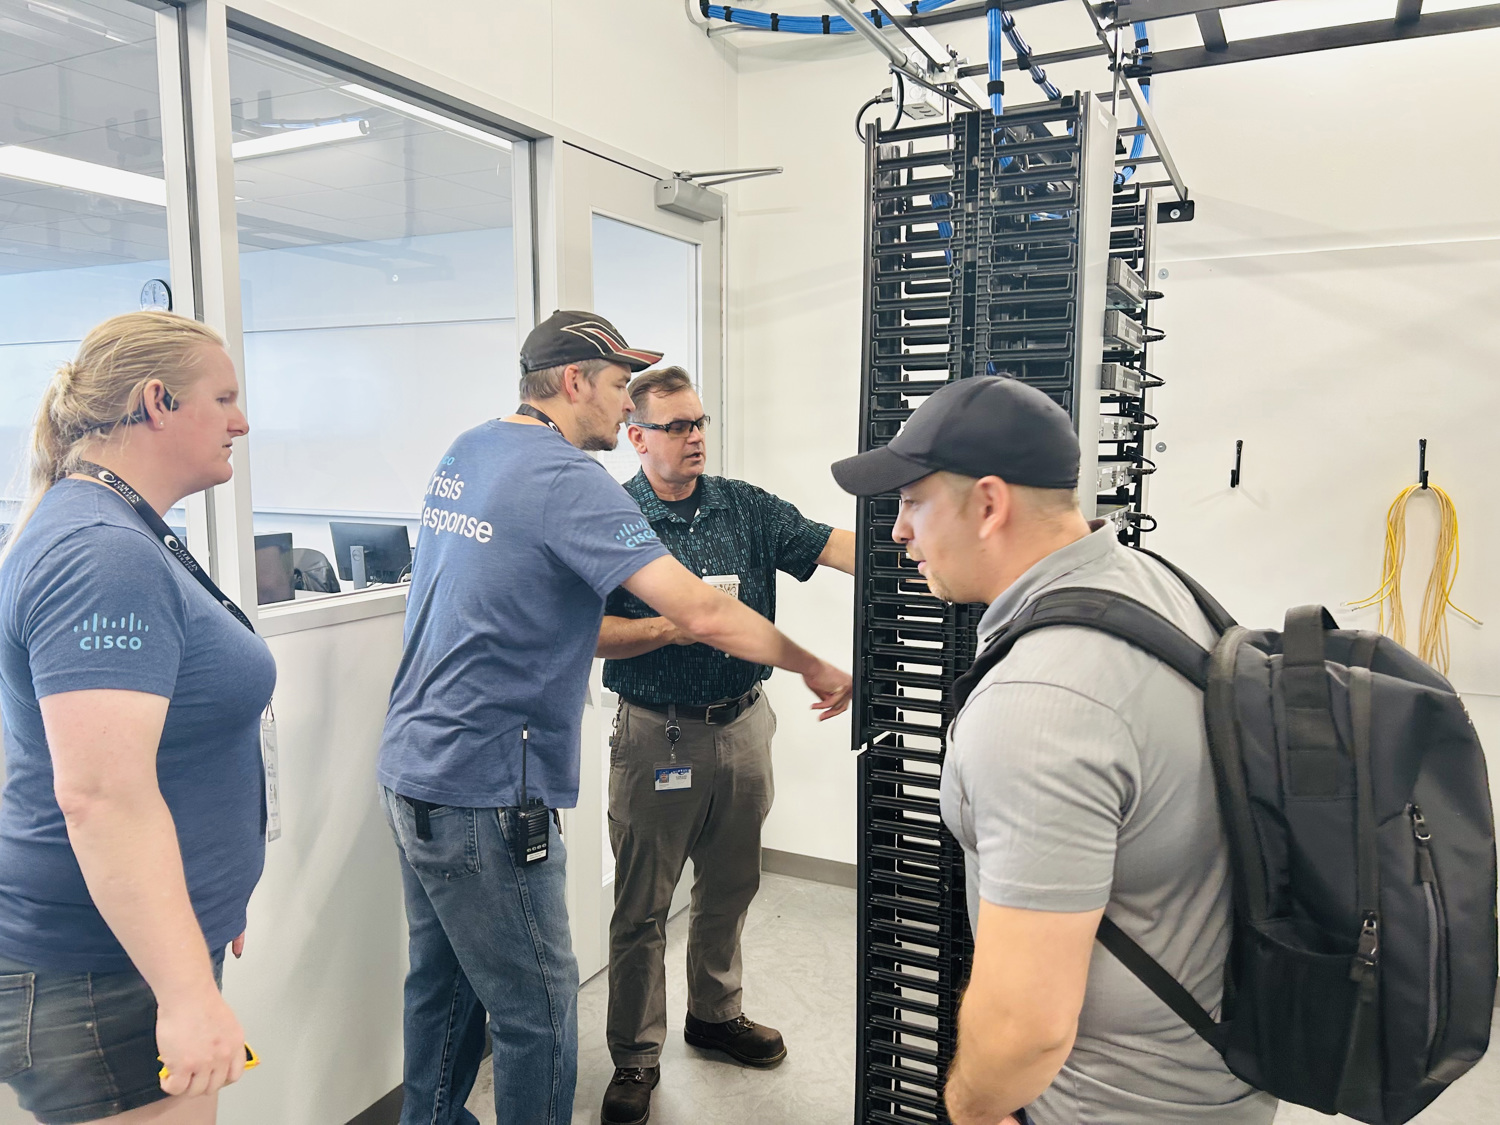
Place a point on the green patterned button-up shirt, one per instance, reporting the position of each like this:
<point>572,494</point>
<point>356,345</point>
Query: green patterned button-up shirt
<point>741,530</point>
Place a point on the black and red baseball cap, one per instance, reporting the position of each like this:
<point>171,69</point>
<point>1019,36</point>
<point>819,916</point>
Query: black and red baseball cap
<point>569,336</point>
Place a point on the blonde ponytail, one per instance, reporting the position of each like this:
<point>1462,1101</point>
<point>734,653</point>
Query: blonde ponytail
<point>105,384</point>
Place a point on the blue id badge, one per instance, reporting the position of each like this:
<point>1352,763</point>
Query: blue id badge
<point>671,776</point>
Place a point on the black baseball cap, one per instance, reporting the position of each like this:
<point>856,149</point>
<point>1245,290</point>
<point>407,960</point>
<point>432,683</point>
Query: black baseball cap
<point>986,426</point>
<point>568,336</point>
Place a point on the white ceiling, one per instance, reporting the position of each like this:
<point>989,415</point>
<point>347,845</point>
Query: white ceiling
<point>78,78</point>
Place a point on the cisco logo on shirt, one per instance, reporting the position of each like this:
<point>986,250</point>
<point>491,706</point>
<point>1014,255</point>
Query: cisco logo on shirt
<point>99,632</point>
<point>636,533</point>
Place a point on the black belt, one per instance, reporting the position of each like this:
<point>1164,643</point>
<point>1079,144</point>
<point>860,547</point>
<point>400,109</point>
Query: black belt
<point>715,714</point>
<point>423,811</point>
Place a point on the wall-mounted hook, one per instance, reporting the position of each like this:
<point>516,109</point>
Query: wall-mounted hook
<point>1234,474</point>
<point>1422,462</point>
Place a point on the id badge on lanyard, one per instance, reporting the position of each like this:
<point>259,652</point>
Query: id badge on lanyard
<point>271,766</point>
<point>673,775</point>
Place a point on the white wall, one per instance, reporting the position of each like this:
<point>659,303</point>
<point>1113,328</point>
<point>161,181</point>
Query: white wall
<point>1332,303</point>
<point>795,298</point>
<point>637,76</point>
<point>319,988</point>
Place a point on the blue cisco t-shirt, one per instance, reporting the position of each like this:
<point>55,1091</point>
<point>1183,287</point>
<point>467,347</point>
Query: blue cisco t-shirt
<point>89,599</point>
<point>523,537</point>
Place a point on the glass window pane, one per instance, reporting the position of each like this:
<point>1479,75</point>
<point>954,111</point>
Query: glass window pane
<point>378,284</point>
<point>646,285</point>
<point>83,221</point>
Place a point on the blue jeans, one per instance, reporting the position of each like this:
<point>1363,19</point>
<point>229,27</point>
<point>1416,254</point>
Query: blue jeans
<point>487,935</point>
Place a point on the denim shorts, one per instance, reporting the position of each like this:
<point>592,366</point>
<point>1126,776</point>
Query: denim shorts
<point>79,1046</point>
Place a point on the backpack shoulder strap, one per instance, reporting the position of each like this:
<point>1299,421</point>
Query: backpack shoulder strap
<point>1137,624</point>
<point>1217,615</point>
<point>1160,982</point>
<point>1108,612</point>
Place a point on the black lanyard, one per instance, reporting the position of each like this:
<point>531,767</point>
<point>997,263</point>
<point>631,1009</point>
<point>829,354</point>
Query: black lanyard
<point>532,412</point>
<point>164,533</point>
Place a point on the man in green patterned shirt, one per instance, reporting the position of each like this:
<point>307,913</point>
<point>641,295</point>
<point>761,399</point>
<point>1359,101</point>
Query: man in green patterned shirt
<point>690,760</point>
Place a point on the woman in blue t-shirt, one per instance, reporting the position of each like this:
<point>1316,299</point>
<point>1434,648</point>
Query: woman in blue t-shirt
<point>132,821</point>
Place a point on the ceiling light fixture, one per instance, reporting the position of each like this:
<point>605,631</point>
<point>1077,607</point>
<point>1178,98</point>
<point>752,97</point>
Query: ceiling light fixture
<point>18,162</point>
<point>430,116</point>
<point>289,139</point>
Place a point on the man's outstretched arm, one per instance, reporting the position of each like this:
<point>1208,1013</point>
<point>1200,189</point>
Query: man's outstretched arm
<point>713,617</point>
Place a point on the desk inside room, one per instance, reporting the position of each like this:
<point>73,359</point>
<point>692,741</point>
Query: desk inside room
<point>365,554</point>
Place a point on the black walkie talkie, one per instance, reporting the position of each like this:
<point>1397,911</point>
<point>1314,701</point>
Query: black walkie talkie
<point>531,840</point>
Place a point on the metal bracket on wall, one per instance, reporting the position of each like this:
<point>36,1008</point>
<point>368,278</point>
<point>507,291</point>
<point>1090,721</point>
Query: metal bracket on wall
<point>1176,211</point>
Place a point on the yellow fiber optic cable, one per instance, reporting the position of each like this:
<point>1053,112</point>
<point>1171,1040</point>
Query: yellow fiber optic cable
<point>1433,643</point>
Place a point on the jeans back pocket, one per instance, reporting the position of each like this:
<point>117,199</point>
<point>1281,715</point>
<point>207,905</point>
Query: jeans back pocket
<point>17,998</point>
<point>452,849</point>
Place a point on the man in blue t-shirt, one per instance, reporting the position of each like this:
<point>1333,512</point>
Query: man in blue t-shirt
<point>523,537</point>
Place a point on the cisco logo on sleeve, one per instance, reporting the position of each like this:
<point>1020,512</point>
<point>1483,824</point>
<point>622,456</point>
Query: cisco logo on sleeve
<point>637,533</point>
<point>99,632</point>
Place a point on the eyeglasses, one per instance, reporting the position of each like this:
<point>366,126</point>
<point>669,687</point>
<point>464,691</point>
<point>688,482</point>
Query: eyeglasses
<point>678,427</point>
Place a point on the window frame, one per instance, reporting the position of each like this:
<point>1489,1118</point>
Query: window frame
<point>204,245</point>
<point>208,248</point>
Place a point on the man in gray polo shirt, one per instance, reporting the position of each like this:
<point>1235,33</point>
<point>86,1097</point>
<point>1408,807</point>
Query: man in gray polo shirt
<point>1077,780</point>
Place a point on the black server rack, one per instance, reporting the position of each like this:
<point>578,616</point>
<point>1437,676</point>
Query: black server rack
<point>973,265</point>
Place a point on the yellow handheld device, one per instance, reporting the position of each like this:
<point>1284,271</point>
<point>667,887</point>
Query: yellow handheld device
<point>252,1060</point>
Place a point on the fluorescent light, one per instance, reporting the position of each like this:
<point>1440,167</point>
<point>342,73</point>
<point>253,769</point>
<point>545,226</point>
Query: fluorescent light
<point>289,139</point>
<point>20,163</point>
<point>427,115</point>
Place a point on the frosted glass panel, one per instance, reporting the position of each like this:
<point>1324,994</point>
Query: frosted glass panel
<point>646,284</point>
<point>378,287</point>
<point>388,401</point>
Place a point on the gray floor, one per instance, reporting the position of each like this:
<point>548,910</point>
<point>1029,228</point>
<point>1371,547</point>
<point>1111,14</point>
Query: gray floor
<point>799,977</point>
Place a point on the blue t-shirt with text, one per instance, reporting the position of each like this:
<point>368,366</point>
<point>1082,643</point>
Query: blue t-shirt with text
<point>89,599</point>
<point>523,537</point>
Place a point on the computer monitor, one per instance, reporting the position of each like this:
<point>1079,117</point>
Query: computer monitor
<point>273,568</point>
<point>370,552</point>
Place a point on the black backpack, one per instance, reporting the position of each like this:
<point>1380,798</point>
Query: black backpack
<point>1362,969</point>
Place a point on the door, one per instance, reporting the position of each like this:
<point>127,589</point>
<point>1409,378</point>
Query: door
<point>658,278</point>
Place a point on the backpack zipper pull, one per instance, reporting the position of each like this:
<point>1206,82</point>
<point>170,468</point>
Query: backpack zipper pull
<point>1426,872</point>
<point>1367,957</point>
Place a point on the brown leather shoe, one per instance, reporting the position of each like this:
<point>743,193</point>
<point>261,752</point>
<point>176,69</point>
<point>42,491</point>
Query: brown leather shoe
<point>627,1100</point>
<point>741,1039</point>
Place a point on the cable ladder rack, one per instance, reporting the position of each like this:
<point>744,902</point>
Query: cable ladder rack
<point>974,265</point>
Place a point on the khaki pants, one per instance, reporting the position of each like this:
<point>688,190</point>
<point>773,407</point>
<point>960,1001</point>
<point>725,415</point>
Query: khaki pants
<point>717,824</point>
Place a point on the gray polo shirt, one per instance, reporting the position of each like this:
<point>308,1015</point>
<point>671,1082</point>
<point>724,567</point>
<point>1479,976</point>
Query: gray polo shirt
<point>1078,777</point>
